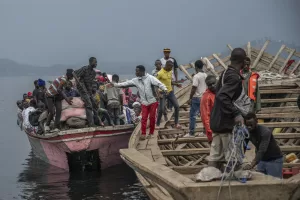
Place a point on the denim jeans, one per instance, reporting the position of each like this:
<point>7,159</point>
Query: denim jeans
<point>194,110</point>
<point>172,98</point>
<point>272,168</point>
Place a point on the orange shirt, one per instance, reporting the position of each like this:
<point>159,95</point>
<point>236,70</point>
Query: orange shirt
<point>206,106</point>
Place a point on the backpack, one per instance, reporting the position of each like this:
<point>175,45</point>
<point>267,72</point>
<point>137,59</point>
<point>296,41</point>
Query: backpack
<point>243,102</point>
<point>34,117</point>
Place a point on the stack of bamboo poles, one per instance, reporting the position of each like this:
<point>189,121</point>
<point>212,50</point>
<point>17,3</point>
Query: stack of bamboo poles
<point>279,111</point>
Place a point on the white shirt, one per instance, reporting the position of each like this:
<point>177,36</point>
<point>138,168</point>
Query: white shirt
<point>163,63</point>
<point>199,82</point>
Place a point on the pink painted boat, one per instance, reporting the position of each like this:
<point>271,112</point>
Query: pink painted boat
<point>94,148</point>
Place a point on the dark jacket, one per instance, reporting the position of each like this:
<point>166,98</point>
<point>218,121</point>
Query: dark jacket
<point>224,111</point>
<point>265,144</point>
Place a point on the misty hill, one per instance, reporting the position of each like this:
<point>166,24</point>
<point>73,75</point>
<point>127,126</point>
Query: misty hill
<point>11,68</point>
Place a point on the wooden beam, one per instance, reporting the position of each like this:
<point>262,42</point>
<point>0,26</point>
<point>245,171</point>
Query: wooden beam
<point>197,151</point>
<point>220,61</point>
<point>249,50</point>
<point>276,57</point>
<point>183,130</point>
<point>185,152</point>
<point>279,109</point>
<point>286,61</point>
<point>186,72</point>
<point>229,47</point>
<point>183,121</point>
<point>280,91</point>
<point>281,124</point>
<point>182,140</point>
<point>278,115</point>
<point>187,169</point>
<point>279,100</point>
<point>286,135</point>
<point>295,67</point>
<point>260,54</point>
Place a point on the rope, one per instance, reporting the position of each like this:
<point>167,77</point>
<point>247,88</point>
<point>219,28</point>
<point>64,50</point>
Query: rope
<point>236,150</point>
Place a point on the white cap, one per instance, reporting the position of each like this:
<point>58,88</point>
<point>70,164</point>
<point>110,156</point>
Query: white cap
<point>136,104</point>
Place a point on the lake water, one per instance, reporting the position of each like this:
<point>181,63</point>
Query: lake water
<point>23,176</point>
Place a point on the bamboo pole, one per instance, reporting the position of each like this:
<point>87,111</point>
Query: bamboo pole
<point>287,60</point>
<point>229,47</point>
<point>276,57</point>
<point>260,54</point>
<point>186,73</point>
<point>295,67</point>
<point>220,61</point>
<point>249,49</point>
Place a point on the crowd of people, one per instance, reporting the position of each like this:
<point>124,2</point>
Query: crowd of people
<point>222,104</point>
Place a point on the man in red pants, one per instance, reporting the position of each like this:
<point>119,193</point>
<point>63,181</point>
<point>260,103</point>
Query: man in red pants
<point>145,84</point>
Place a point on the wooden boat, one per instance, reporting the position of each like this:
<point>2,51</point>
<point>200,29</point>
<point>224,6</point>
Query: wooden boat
<point>166,165</point>
<point>94,148</point>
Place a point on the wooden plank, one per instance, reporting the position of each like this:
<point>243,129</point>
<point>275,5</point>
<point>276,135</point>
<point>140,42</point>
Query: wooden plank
<point>279,109</point>
<point>278,115</point>
<point>185,152</point>
<point>187,169</point>
<point>182,140</point>
<point>280,91</point>
<point>197,151</point>
<point>183,130</point>
<point>185,72</point>
<point>249,50</point>
<point>229,47</point>
<point>183,121</point>
<point>295,67</point>
<point>260,54</point>
<point>276,57</point>
<point>286,135</point>
<point>286,61</point>
<point>220,61</point>
<point>281,124</point>
<point>278,100</point>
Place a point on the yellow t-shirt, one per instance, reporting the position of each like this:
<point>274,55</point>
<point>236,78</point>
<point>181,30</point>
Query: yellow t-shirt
<point>166,78</point>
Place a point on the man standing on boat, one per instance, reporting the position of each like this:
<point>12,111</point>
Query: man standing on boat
<point>55,94</point>
<point>165,76</point>
<point>86,77</point>
<point>198,88</point>
<point>225,114</point>
<point>145,85</point>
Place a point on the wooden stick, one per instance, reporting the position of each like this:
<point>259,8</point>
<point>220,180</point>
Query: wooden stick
<point>260,54</point>
<point>295,67</point>
<point>186,72</point>
<point>290,109</point>
<point>280,91</point>
<point>279,100</point>
<point>286,61</point>
<point>229,47</point>
<point>278,115</point>
<point>220,61</point>
<point>276,57</point>
<point>249,49</point>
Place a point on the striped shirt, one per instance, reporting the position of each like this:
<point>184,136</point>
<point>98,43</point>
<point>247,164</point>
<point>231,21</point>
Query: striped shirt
<point>87,76</point>
<point>56,86</point>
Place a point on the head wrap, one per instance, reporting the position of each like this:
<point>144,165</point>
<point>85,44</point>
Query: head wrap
<point>69,72</point>
<point>41,82</point>
<point>29,94</point>
<point>136,104</point>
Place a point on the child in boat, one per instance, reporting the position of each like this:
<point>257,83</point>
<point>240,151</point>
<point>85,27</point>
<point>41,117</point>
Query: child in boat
<point>114,100</point>
<point>268,156</point>
<point>207,103</point>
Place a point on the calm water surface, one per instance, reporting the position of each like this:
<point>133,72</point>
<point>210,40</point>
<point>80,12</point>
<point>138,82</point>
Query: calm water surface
<point>23,176</point>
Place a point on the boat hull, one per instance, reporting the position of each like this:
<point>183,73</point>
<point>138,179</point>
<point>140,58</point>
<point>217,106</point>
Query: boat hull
<point>54,150</point>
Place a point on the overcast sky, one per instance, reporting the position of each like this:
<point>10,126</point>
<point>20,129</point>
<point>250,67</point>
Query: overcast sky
<point>69,31</point>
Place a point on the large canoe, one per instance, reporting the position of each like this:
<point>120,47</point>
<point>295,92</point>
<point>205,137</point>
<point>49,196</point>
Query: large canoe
<point>166,165</point>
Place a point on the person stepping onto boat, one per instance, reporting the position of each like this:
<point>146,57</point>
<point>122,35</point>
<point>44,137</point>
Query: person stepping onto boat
<point>87,76</point>
<point>198,88</point>
<point>225,115</point>
<point>207,103</point>
<point>268,156</point>
<point>55,94</point>
<point>155,71</point>
<point>165,76</point>
<point>114,100</point>
<point>144,83</point>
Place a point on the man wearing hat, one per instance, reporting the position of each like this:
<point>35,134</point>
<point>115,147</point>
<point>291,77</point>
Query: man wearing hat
<point>55,94</point>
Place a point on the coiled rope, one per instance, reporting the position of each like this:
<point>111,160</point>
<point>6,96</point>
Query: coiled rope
<point>236,151</point>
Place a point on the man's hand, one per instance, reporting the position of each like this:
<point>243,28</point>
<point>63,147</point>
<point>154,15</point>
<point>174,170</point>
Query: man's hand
<point>69,100</point>
<point>239,120</point>
<point>249,166</point>
<point>179,85</point>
